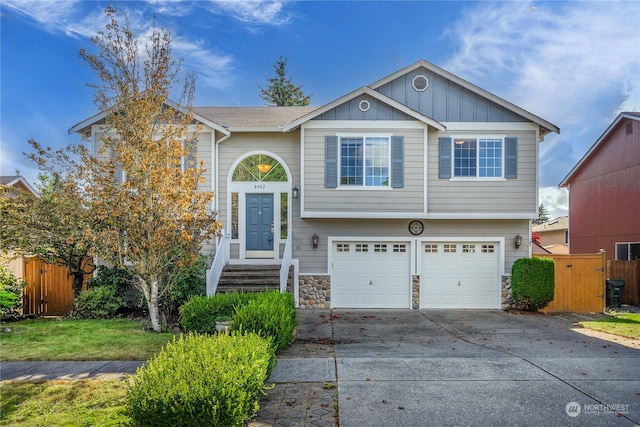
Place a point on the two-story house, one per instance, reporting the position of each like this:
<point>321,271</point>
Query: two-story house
<point>414,191</point>
<point>604,193</point>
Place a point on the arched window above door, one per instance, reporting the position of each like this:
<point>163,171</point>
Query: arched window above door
<point>259,168</point>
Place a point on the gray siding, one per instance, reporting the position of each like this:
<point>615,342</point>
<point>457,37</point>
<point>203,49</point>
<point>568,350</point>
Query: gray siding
<point>446,101</point>
<point>350,110</point>
<point>410,198</point>
<point>315,260</point>
<point>285,145</point>
<point>478,196</point>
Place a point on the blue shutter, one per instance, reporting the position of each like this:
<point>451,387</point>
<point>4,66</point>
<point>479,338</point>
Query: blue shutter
<point>511,158</point>
<point>397,161</point>
<point>331,161</point>
<point>444,153</point>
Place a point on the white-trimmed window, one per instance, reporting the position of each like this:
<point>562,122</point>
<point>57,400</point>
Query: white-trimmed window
<point>365,161</point>
<point>486,157</point>
<point>478,157</point>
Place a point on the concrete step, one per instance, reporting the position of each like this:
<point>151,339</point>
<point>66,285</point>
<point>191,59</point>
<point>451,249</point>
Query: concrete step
<point>249,278</point>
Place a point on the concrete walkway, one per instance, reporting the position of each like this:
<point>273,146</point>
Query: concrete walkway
<point>416,368</point>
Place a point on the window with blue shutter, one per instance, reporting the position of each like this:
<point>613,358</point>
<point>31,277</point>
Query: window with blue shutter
<point>486,157</point>
<point>365,161</point>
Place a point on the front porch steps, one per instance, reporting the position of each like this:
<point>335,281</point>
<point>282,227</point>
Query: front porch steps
<point>250,278</point>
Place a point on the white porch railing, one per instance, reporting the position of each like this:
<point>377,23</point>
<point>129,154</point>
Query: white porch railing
<point>284,267</point>
<point>219,261</point>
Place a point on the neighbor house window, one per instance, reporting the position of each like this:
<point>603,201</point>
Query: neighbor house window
<point>627,251</point>
<point>478,157</point>
<point>365,161</point>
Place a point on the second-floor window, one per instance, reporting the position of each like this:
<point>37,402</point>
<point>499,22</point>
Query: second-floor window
<point>482,157</point>
<point>478,157</point>
<point>364,161</point>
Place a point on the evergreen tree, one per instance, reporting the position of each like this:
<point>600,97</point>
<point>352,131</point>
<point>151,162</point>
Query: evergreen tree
<point>543,215</point>
<point>281,91</point>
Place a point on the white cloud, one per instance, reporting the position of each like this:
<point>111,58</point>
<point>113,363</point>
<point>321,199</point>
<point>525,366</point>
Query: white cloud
<point>575,64</point>
<point>555,200</point>
<point>213,69</point>
<point>252,11</point>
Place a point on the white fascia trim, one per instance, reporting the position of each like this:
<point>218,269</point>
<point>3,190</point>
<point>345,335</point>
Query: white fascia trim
<point>497,215</point>
<point>363,215</point>
<point>256,129</point>
<point>363,125</point>
<point>490,126</point>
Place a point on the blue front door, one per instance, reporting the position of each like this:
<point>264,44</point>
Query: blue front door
<point>259,225</point>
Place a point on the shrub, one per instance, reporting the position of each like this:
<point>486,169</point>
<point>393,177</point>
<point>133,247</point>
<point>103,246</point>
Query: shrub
<point>269,314</point>
<point>201,380</point>
<point>10,292</point>
<point>186,283</point>
<point>98,302</point>
<point>115,278</point>
<point>200,313</point>
<point>532,282</point>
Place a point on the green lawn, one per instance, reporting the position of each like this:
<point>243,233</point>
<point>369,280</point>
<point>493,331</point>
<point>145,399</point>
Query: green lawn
<point>623,324</point>
<point>67,339</point>
<point>63,403</point>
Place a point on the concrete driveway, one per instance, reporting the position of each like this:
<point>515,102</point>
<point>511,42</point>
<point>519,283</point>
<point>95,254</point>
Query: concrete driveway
<point>468,367</point>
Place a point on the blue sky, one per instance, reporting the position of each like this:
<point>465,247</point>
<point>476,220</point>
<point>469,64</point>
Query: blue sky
<point>576,64</point>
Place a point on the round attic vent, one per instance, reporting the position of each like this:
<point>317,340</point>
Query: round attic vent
<point>420,83</point>
<point>364,105</point>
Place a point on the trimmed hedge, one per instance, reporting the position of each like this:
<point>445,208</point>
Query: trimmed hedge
<point>199,314</point>
<point>202,380</point>
<point>270,314</point>
<point>532,282</point>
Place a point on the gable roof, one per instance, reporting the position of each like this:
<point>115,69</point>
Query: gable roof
<point>84,127</point>
<point>546,127</point>
<point>17,180</point>
<point>240,119</point>
<point>624,115</point>
<point>372,93</point>
<point>556,224</point>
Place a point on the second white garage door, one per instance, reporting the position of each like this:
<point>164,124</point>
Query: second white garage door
<point>459,275</point>
<point>371,275</point>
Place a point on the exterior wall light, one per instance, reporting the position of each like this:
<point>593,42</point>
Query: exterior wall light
<point>517,242</point>
<point>314,240</point>
<point>295,192</point>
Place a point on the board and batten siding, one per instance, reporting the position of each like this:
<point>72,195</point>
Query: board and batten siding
<point>317,198</point>
<point>480,196</point>
<point>284,145</point>
<point>314,261</point>
<point>445,100</point>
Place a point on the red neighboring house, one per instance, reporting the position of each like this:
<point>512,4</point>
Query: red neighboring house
<point>604,193</point>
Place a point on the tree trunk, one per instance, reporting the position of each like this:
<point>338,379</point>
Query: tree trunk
<point>152,302</point>
<point>78,280</point>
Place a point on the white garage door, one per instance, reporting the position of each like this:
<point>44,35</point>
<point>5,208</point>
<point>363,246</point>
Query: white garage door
<point>459,275</point>
<point>371,275</point>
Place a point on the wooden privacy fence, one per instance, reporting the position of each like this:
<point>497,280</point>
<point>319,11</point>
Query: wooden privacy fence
<point>629,271</point>
<point>49,289</point>
<point>580,283</point>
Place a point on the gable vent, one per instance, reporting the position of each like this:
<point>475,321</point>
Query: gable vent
<point>420,83</point>
<point>629,128</point>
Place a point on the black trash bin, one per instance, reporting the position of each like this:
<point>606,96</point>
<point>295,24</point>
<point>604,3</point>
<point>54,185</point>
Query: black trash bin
<point>614,293</point>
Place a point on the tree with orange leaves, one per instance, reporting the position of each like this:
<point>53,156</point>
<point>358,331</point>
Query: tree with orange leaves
<point>143,183</point>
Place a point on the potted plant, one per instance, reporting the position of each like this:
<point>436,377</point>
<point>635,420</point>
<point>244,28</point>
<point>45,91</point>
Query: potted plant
<point>223,323</point>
